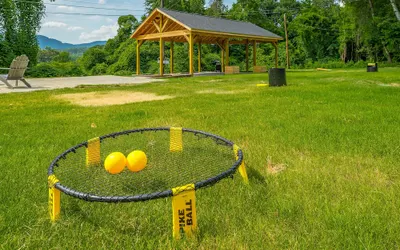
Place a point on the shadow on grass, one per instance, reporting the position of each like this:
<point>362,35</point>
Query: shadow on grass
<point>255,176</point>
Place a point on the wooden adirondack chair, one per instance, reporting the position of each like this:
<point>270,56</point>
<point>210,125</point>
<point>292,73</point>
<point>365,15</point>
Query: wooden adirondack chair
<point>16,71</point>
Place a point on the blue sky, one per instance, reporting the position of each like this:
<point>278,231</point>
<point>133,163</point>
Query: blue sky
<point>67,21</point>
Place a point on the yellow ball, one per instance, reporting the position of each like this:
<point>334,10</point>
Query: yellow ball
<point>115,163</point>
<point>136,160</point>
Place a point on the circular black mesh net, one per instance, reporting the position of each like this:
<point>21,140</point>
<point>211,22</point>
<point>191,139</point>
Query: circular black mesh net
<point>203,157</point>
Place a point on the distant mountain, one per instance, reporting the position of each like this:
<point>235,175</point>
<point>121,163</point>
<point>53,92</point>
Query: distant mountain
<point>45,41</point>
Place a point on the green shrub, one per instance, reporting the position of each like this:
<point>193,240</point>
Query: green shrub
<point>55,69</point>
<point>154,67</point>
<point>43,70</point>
<point>92,57</point>
<point>62,57</point>
<point>208,62</point>
<point>360,64</point>
<point>99,69</point>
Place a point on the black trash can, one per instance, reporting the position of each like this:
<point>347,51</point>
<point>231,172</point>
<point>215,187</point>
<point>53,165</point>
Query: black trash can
<point>277,77</point>
<point>218,67</point>
<point>372,67</point>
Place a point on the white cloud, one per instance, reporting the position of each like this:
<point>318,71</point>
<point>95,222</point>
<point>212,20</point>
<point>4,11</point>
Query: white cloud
<point>62,7</point>
<point>109,20</point>
<point>102,1</point>
<point>54,25</point>
<point>75,28</point>
<point>104,33</point>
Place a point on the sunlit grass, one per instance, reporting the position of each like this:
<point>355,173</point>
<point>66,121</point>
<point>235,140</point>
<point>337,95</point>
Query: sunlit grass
<point>337,133</point>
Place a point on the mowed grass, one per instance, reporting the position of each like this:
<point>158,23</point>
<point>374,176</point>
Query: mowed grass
<point>337,133</point>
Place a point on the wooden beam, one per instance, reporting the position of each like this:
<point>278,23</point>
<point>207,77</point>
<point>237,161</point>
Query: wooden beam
<point>238,42</point>
<point>164,25</point>
<point>171,58</point>
<point>199,57</point>
<point>186,37</point>
<point>196,39</point>
<point>138,57</point>
<point>173,26</point>
<point>156,25</point>
<point>254,54</point>
<point>161,57</point>
<point>247,56</point>
<point>191,54</point>
<point>220,45</point>
<point>152,29</point>
<point>162,50</point>
<point>143,24</point>
<point>164,34</point>
<point>140,42</point>
<point>276,54</point>
<point>227,52</point>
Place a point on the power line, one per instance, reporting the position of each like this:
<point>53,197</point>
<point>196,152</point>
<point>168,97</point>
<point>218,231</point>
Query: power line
<point>80,6</point>
<point>265,12</point>
<point>312,27</point>
<point>87,14</point>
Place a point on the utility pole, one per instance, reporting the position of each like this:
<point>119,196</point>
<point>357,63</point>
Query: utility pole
<point>287,43</point>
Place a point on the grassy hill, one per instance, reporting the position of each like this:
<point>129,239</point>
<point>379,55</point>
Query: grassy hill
<point>45,41</point>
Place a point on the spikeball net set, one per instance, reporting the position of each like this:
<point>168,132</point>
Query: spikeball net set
<point>179,162</point>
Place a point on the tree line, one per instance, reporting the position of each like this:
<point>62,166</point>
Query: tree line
<point>329,33</point>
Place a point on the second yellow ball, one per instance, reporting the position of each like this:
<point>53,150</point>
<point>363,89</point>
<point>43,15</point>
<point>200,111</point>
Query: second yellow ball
<point>136,161</point>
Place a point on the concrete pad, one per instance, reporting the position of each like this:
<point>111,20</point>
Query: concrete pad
<point>72,82</point>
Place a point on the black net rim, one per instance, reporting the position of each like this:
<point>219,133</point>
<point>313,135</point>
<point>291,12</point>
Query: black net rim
<point>149,196</point>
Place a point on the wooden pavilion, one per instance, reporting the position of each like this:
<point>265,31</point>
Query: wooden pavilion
<point>165,25</point>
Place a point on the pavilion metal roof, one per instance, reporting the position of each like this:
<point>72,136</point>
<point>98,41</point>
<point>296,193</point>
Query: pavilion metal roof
<point>208,23</point>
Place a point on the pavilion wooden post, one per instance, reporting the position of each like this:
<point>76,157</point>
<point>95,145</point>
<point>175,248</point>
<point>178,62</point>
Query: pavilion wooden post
<point>199,58</point>
<point>222,60</point>
<point>161,47</point>
<point>226,52</point>
<point>161,57</point>
<point>254,54</point>
<point>191,54</point>
<point>276,54</point>
<point>171,58</point>
<point>247,55</point>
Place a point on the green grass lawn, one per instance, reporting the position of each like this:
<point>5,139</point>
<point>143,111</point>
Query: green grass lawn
<point>337,133</point>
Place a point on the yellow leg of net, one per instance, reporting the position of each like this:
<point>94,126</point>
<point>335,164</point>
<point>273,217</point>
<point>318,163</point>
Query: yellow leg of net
<point>242,167</point>
<point>184,211</point>
<point>175,143</point>
<point>93,152</point>
<point>54,198</point>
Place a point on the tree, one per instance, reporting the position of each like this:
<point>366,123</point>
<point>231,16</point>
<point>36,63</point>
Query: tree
<point>395,9</point>
<point>191,6</point>
<point>47,54</point>
<point>62,57</point>
<point>317,35</point>
<point>20,23</point>
<point>6,53</point>
<point>93,56</point>
<point>216,8</point>
<point>127,24</point>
